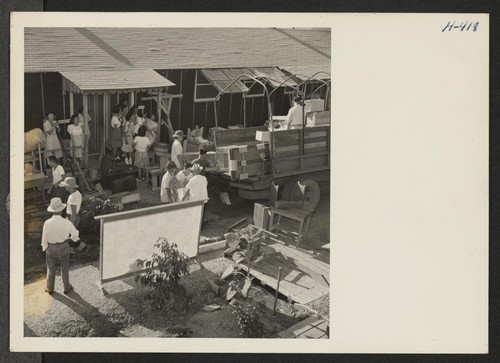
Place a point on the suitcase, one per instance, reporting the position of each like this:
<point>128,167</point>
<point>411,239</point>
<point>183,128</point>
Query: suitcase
<point>124,184</point>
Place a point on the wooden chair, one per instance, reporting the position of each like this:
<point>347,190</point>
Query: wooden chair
<point>292,210</point>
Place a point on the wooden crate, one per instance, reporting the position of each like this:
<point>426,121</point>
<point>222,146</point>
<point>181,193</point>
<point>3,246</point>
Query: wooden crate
<point>261,216</point>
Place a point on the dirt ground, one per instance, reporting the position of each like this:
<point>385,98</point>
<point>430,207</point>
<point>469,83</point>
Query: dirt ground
<point>121,310</point>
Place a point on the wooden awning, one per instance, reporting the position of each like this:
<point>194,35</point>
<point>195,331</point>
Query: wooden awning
<point>113,81</point>
<point>222,78</point>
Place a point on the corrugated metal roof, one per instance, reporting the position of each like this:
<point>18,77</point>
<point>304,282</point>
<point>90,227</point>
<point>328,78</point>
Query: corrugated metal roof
<point>222,78</point>
<point>56,49</point>
<point>304,72</point>
<point>96,81</point>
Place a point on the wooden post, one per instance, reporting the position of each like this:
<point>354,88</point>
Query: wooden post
<point>85,136</point>
<point>64,105</point>
<point>105,106</point>
<point>71,105</point>
<point>131,99</point>
<point>43,97</point>
<point>277,290</point>
<point>244,110</point>
<point>158,113</point>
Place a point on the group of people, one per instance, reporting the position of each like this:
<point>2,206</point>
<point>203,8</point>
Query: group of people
<point>78,130</point>
<point>130,136</point>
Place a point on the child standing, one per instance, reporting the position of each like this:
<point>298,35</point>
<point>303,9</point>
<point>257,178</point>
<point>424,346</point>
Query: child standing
<point>168,192</point>
<point>141,144</point>
<point>128,140</point>
<point>76,133</point>
<point>57,177</point>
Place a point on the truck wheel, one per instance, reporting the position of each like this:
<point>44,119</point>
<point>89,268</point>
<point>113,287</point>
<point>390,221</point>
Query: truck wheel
<point>312,193</point>
<point>291,190</point>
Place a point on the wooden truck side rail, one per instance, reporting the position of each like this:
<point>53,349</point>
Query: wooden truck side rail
<point>300,151</point>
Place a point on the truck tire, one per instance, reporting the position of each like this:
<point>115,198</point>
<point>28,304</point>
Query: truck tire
<point>312,193</point>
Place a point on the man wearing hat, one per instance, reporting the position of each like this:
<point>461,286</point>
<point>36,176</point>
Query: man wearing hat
<point>294,116</point>
<point>73,209</point>
<point>54,242</point>
<point>176,154</point>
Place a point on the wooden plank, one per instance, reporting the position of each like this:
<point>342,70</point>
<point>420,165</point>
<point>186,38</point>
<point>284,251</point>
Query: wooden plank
<point>319,267</point>
<point>43,213</point>
<point>296,284</point>
<point>237,136</point>
<point>294,140</point>
<point>313,327</point>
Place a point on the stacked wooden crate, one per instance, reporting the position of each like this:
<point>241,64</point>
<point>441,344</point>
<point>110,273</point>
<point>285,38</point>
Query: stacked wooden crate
<point>239,155</point>
<point>247,161</point>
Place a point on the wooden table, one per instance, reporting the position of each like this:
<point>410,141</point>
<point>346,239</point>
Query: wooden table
<point>36,181</point>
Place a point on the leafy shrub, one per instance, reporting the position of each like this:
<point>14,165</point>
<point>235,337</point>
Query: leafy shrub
<point>96,206</point>
<point>163,276</point>
<point>248,321</point>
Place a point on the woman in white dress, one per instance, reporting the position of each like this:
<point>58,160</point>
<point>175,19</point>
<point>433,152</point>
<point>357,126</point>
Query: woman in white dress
<point>52,144</point>
<point>76,134</point>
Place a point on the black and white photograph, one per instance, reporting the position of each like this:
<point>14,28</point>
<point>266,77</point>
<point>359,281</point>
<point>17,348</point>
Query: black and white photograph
<point>177,182</point>
<point>257,183</point>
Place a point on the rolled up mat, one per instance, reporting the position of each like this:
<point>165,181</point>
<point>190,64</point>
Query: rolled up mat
<point>32,138</point>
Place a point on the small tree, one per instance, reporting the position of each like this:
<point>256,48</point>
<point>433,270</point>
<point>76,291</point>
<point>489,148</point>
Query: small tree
<point>163,276</point>
<point>248,321</point>
<point>253,241</point>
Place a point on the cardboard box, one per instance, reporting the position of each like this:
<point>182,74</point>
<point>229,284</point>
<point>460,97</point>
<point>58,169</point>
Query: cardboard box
<point>318,118</point>
<point>314,105</point>
<point>263,136</point>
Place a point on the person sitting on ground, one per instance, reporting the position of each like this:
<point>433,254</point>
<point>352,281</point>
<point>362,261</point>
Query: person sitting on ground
<point>183,176</point>
<point>56,190</point>
<point>74,204</point>
<point>176,155</point>
<point>168,192</point>
<point>55,234</point>
<point>202,160</point>
<point>141,144</point>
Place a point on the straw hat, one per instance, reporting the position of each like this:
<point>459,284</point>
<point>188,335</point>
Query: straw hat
<point>179,134</point>
<point>56,205</point>
<point>69,182</point>
<point>196,167</point>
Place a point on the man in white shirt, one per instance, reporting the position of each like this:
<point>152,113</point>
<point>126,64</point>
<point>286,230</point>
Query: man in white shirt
<point>294,117</point>
<point>73,209</point>
<point>197,188</point>
<point>176,154</point>
<point>197,185</point>
<point>55,233</point>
